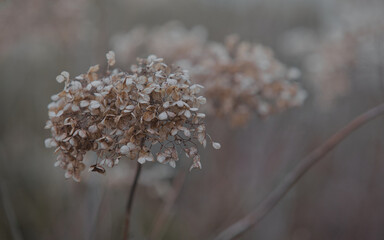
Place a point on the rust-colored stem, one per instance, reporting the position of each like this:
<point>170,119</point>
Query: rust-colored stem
<point>130,202</point>
<point>255,216</point>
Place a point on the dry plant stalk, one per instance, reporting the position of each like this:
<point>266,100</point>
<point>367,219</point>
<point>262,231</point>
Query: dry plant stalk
<point>130,202</point>
<point>152,110</point>
<point>254,217</point>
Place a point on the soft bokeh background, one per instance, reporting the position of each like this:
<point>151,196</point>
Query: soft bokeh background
<point>338,45</point>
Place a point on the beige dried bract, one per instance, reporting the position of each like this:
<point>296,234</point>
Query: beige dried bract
<point>126,114</point>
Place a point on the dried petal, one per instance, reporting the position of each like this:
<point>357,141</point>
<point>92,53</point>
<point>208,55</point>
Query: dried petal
<point>162,116</point>
<point>111,58</point>
<point>216,145</point>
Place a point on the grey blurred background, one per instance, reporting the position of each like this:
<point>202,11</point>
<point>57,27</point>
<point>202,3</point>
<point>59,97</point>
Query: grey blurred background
<point>339,47</point>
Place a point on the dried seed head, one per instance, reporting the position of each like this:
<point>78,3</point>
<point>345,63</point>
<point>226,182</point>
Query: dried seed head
<point>126,114</point>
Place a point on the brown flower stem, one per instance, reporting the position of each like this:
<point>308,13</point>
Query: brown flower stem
<point>254,217</point>
<point>130,202</point>
<point>164,216</point>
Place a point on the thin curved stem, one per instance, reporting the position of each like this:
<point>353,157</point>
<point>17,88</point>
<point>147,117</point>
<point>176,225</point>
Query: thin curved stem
<point>130,202</point>
<point>254,217</point>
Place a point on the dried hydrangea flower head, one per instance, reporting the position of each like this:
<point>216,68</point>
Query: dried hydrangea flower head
<point>153,109</point>
<point>131,45</point>
<point>239,77</point>
<point>175,42</point>
<point>354,39</point>
<point>329,66</point>
<point>65,20</point>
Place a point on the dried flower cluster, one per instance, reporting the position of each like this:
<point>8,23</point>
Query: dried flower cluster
<point>126,114</point>
<point>350,49</point>
<point>329,66</point>
<point>239,77</point>
<point>65,19</point>
<point>347,48</point>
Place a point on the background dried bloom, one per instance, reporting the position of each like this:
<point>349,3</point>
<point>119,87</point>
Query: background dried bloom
<point>175,42</point>
<point>348,47</point>
<point>351,50</point>
<point>65,21</point>
<point>239,77</point>
<point>126,114</point>
<point>242,77</point>
<point>328,68</point>
<point>130,45</point>
<point>172,41</point>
